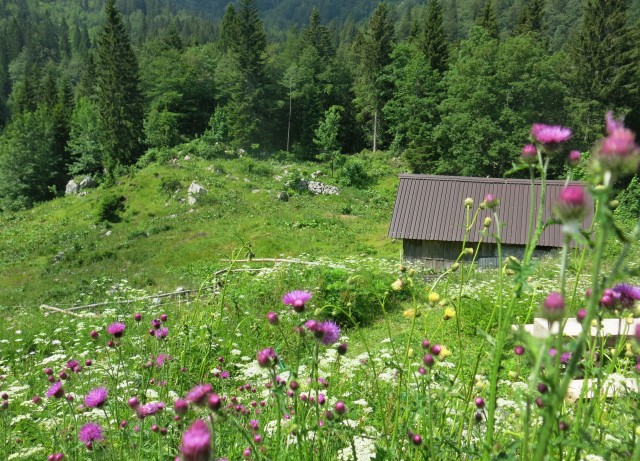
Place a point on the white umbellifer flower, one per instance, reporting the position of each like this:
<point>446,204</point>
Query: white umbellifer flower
<point>236,352</point>
<point>593,458</point>
<point>56,342</point>
<point>362,402</point>
<point>152,394</point>
<point>365,450</point>
<point>26,453</point>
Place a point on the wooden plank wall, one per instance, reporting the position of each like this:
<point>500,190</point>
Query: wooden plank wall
<point>439,255</point>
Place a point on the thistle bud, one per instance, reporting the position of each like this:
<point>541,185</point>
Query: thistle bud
<point>468,202</point>
<point>487,222</point>
<point>553,307</point>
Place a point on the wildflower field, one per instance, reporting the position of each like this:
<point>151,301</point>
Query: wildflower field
<point>357,359</point>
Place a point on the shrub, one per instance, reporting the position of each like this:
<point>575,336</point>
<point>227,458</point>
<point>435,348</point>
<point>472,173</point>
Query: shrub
<point>110,207</point>
<point>354,174</point>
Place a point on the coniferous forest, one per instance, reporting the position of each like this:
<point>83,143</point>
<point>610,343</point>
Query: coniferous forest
<point>93,87</point>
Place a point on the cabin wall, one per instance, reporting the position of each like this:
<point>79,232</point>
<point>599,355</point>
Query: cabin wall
<point>439,255</point>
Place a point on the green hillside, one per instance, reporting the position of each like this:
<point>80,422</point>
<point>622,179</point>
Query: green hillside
<point>55,251</point>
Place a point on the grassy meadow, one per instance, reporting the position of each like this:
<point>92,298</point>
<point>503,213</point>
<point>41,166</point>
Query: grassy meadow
<point>339,353</point>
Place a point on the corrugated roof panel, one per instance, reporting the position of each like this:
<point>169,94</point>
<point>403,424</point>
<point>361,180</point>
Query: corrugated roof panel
<point>432,208</point>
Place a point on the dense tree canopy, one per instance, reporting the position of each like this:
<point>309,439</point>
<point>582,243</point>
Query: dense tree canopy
<point>86,87</point>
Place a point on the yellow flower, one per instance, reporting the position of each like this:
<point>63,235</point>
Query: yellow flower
<point>411,313</point>
<point>449,313</point>
<point>397,285</point>
<point>434,297</point>
<point>410,352</point>
<point>444,353</point>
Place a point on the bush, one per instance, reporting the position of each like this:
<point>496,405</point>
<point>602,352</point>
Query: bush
<point>354,174</point>
<point>110,207</point>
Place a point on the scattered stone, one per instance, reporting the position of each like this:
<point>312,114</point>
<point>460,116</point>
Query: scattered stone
<point>316,174</point>
<point>187,157</point>
<point>247,180</point>
<point>108,233</point>
<point>277,178</point>
<point>321,188</point>
<point>256,191</point>
<point>57,258</point>
<point>283,196</point>
<point>72,188</point>
<point>195,189</point>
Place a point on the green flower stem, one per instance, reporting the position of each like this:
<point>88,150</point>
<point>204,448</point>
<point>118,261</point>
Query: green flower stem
<point>557,397</point>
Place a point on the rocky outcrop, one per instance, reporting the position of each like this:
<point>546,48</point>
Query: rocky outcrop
<point>74,187</point>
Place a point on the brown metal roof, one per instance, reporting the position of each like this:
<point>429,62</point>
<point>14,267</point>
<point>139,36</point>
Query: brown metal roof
<point>432,208</point>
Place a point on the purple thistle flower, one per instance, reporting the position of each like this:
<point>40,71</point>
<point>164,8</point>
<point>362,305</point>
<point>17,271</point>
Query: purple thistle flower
<point>626,294</point>
<point>196,442</point>
<point>71,364</point>
<point>181,406</point>
<point>550,134</point>
<point>574,157</point>
<point>90,432</point>
<point>116,329</point>
<point>149,409</point>
<point>297,299</point>
<point>55,390</point>
<point>618,151</point>
<point>198,395</point>
<point>162,333</point>
<point>272,318</point>
<point>529,154</point>
<point>267,357</point>
<point>572,204</point>
<point>553,307</point>
<point>96,397</point>
<point>330,332</point>
<point>161,359</point>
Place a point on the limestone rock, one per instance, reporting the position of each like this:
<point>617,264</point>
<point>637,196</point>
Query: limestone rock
<point>195,189</point>
<point>72,188</point>
<point>88,183</point>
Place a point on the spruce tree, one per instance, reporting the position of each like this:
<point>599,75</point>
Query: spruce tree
<point>118,92</point>
<point>489,21</point>
<point>373,51</point>
<point>532,17</point>
<point>248,108</point>
<point>229,29</point>
<point>603,54</point>
<point>434,40</point>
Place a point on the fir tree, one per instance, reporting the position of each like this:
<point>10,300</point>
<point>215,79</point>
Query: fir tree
<point>434,40</point>
<point>119,97</point>
<point>318,36</point>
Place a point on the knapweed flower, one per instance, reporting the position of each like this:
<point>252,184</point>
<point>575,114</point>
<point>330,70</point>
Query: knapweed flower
<point>553,307</point>
<point>297,299</point>
<point>571,205</point>
<point>89,433</point>
<point>196,442</point>
<point>55,390</point>
<point>550,135</point>
<point>267,358</point>
<point>161,359</point>
<point>162,333</point>
<point>116,329</point>
<point>529,154</point>
<point>96,397</point>
<point>198,395</point>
